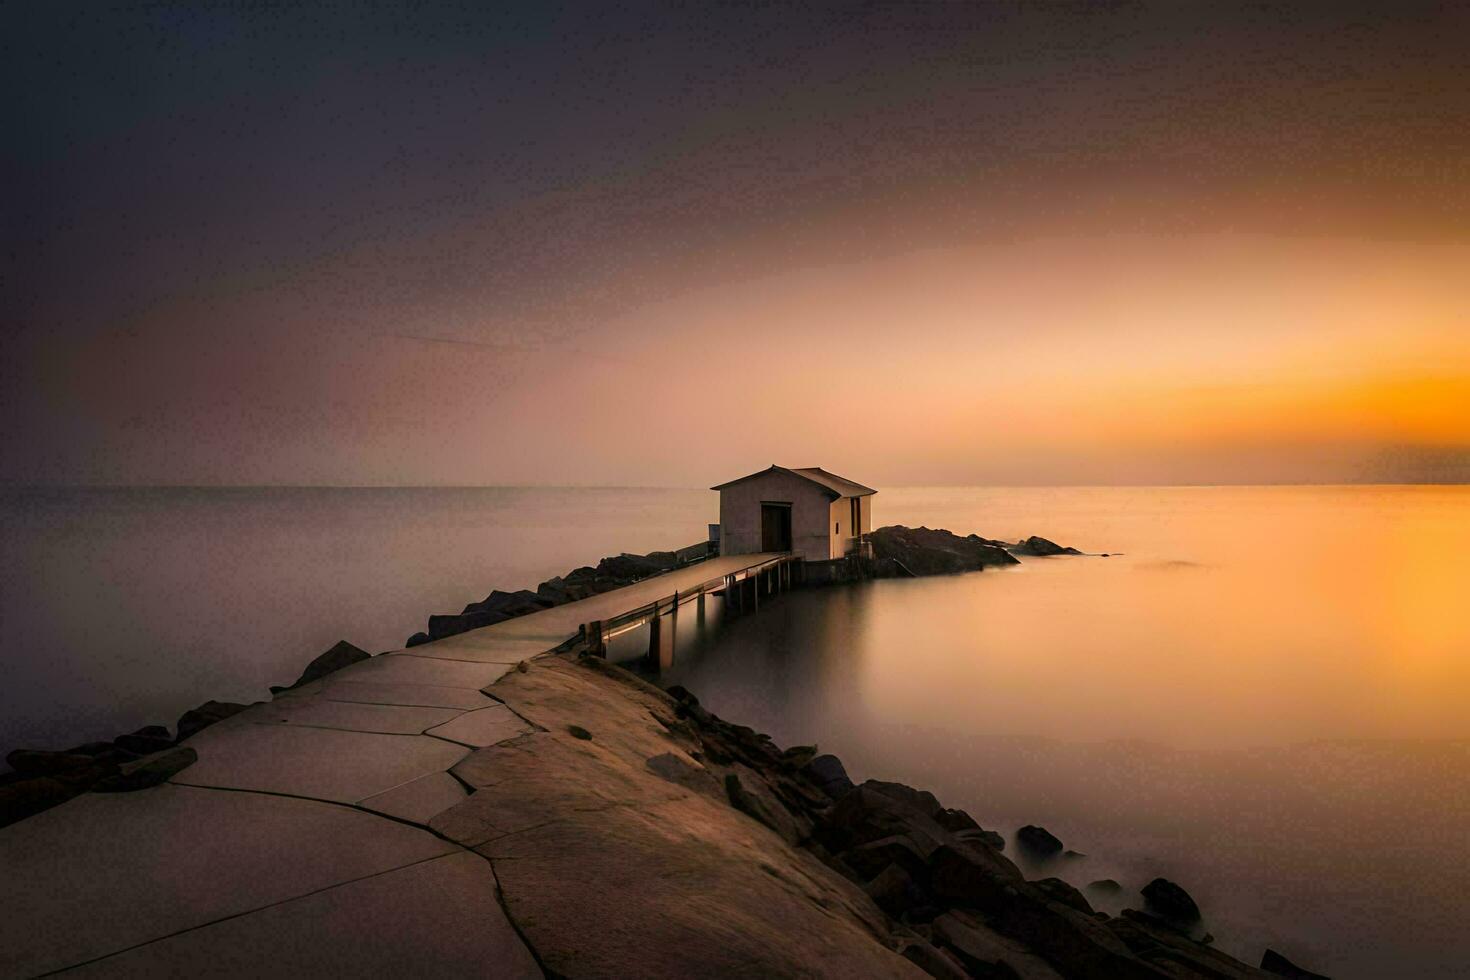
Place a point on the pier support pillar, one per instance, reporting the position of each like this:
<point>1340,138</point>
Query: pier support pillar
<point>592,634</point>
<point>755,591</point>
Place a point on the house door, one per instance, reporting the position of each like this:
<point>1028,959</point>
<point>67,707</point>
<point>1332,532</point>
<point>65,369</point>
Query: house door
<point>775,527</point>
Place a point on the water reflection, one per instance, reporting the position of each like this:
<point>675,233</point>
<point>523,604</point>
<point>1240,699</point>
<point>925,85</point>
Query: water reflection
<point>1267,699</point>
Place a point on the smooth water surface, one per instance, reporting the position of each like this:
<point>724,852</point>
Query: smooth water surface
<point>1265,696</point>
<point>124,607</point>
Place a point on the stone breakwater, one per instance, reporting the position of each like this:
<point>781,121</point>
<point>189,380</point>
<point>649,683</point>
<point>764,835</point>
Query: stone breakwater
<point>636,831</point>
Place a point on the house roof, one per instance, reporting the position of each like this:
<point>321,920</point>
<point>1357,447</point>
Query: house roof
<point>833,484</point>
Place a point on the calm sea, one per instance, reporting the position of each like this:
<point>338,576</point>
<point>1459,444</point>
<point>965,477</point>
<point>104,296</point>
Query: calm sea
<point>1265,696</point>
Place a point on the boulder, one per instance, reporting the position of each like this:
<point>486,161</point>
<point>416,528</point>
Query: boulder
<point>923,551</point>
<point>24,797</point>
<point>418,640</point>
<point>1274,962</point>
<point>933,960</point>
<point>951,819</point>
<point>1173,951</point>
<point>510,604</point>
<point>907,851</point>
<point>1038,842</point>
<point>1170,902</point>
<point>986,953</point>
<point>754,799</point>
<point>442,626</point>
<point>146,740</point>
<point>1104,886</point>
<point>195,720</point>
<point>38,762</point>
<point>920,799</point>
<point>147,772</point>
<point>342,654</point>
<point>1040,548</point>
<point>1060,891</point>
<point>962,877</point>
<point>980,836</point>
<point>894,890</point>
<point>828,773</point>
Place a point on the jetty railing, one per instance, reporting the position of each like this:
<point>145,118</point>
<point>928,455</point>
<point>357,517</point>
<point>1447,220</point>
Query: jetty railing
<point>741,588</point>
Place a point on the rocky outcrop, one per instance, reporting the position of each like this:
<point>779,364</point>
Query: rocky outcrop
<point>1038,842</point>
<point>1036,547</point>
<point>926,551</point>
<point>1170,902</point>
<point>342,654</point>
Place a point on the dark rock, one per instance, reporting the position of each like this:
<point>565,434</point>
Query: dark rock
<point>1038,842</point>
<point>418,640</point>
<point>1076,943</point>
<point>934,961</point>
<point>759,803</point>
<point>147,772</point>
<point>935,552</point>
<point>986,953</point>
<point>987,838</point>
<point>195,720</point>
<point>444,626</point>
<point>1168,901</point>
<point>342,654</point>
<point>798,756</point>
<point>143,744</point>
<point>906,851</point>
<point>1073,855</point>
<point>1105,886</point>
<point>577,731</point>
<point>955,820</point>
<point>1173,951</point>
<point>894,891</point>
<point>37,762</point>
<point>1040,548</point>
<point>1060,891</point>
<point>154,731</point>
<point>920,799</point>
<point>26,797</point>
<point>962,877</point>
<point>510,604</point>
<point>681,694</point>
<point>94,748</point>
<point>1274,962</point>
<point>829,775</point>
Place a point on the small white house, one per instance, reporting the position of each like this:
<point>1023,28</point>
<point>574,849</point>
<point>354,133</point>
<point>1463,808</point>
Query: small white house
<point>817,515</point>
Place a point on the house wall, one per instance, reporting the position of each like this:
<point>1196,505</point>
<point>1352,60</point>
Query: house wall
<point>740,515</point>
<point>841,534</point>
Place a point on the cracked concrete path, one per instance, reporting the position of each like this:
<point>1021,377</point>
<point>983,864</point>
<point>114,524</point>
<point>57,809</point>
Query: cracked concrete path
<point>301,843</point>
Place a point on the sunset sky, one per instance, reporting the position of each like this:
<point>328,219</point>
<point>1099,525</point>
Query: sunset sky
<point>914,242</point>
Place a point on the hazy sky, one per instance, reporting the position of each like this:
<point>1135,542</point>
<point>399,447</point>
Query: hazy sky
<point>646,244</point>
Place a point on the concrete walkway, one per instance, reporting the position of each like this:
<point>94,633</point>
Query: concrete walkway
<point>298,844</point>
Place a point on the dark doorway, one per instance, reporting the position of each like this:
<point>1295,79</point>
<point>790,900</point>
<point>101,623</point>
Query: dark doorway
<point>775,527</point>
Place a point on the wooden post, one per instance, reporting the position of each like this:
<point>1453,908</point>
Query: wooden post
<point>596,644</point>
<point>655,636</point>
<point>699,606</point>
<point>755,590</point>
